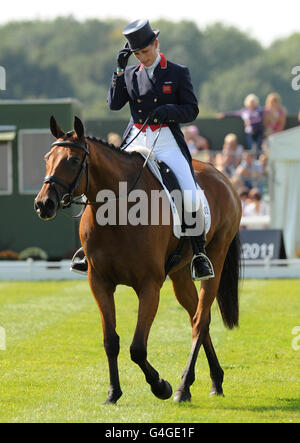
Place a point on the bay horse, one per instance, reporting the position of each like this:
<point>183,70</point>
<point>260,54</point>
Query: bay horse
<point>136,255</point>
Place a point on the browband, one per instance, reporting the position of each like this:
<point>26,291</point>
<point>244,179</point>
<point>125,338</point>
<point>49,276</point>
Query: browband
<point>71,144</point>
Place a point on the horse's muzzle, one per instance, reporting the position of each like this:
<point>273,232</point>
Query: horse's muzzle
<point>45,208</point>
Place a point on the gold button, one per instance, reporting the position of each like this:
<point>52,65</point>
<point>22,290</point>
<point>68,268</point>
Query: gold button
<point>155,120</point>
<point>139,100</point>
<point>140,110</point>
<point>140,120</point>
<point>155,100</point>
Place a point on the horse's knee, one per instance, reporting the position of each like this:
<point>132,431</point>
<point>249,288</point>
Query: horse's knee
<point>138,354</point>
<point>112,345</point>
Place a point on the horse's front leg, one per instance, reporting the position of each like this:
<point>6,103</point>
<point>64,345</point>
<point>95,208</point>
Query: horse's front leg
<point>104,294</point>
<point>148,305</point>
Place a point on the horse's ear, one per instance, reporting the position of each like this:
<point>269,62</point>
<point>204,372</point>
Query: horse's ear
<point>78,128</point>
<point>55,129</point>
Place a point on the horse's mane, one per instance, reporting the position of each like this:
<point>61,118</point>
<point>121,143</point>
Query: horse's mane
<point>103,142</point>
<point>112,147</point>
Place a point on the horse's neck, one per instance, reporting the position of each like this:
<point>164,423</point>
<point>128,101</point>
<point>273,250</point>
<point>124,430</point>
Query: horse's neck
<point>108,167</point>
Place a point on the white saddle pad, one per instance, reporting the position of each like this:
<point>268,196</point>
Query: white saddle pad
<point>152,165</point>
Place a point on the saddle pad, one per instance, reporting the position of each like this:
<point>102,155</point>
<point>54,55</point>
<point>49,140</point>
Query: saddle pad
<point>154,168</point>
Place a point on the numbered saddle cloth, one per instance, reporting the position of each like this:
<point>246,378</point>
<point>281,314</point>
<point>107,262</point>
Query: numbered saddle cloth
<point>169,182</point>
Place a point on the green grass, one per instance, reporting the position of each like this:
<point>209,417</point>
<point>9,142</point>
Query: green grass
<point>54,368</point>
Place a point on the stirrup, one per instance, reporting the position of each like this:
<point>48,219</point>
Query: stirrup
<point>207,271</point>
<point>77,265</point>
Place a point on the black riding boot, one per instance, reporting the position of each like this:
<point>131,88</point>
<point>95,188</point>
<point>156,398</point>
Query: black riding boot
<point>201,266</point>
<point>79,266</point>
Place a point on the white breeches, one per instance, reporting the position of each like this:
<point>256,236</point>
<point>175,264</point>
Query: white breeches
<point>167,150</point>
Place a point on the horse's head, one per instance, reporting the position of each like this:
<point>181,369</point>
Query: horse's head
<point>66,163</point>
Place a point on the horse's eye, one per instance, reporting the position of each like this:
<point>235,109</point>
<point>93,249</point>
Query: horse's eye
<point>74,160</point>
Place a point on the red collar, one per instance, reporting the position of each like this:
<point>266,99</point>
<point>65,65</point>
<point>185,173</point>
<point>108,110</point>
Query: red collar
<point>163,62</point>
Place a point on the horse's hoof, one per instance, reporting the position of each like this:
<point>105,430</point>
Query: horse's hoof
<point>216,390</point>
<point>162,390</point>
<point>215,393</point>
<point>113,397</point>
<point>182,396</point>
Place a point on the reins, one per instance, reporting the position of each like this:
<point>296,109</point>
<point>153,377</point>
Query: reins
<point>67,200</point>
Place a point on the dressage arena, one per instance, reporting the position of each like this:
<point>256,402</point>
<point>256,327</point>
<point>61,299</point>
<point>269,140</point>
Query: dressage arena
<point>53,365</point>
<point>54,368</point>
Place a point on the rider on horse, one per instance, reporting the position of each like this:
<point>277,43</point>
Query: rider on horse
<point>160,92</point>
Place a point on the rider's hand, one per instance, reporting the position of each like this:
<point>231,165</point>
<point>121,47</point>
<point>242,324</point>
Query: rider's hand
<point>123,58</point>
<point>160,114</point>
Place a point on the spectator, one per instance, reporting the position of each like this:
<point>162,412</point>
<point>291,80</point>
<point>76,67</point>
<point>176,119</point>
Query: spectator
<point>231,146</point>
<point>252,115</point>
<point>236,182</point>
<point>229,164</point>
<point>219,162</point>
<point>250,170</point>
<point>256,211</point>
<point>196,142</point>
<point>255,205</point>
<point>263,162</point>
<point>274,114</point>
<point>114,138</point>
<point>244,196</point>
<point>225,163</point>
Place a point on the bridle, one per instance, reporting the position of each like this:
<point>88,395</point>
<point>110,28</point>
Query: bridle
<point>67,199</point>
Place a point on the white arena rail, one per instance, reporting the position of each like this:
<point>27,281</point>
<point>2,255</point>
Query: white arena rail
<point>43,270</point>
<point>256,222</point>
<point>269,269</point>
<point>37,270</point>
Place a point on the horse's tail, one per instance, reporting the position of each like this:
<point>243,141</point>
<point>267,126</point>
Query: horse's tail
<point>228,293</point>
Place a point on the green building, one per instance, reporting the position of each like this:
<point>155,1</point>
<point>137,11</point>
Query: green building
<point>24,140</point>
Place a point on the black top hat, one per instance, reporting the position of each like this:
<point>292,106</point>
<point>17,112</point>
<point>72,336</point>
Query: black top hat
<point>139,34</point>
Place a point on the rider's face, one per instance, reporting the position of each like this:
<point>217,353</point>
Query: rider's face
<point>147,55</point>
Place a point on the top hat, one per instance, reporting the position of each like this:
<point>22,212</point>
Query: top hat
<point>140,34</point>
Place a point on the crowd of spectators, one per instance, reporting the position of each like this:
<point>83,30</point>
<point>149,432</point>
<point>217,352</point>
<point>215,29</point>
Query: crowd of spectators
<point>246,165</point>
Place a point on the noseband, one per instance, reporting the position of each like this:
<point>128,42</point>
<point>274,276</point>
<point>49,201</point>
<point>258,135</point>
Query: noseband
<point>67,198</point>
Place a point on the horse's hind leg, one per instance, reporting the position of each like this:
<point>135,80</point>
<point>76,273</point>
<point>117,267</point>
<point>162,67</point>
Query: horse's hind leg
<point>216,372</point>
<point>185,290</point>
<point>201,322</point>
<point>186,293</point>
<point>148,305</point>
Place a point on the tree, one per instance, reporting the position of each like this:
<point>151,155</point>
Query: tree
<point>65,57</point>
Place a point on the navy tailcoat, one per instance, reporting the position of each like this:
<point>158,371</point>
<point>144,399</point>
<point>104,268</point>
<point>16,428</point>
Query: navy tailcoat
<point>170,85</point>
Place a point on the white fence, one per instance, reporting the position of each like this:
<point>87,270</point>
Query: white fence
<point>270,269</point>
<point>37,270</point>
<point>43,270</point>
